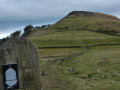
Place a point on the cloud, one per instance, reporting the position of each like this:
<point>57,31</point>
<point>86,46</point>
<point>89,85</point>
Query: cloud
<point>4,35</point>
<point>38,9</point>
<point>14,13</point>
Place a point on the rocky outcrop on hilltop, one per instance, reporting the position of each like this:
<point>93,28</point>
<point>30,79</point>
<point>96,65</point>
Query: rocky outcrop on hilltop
<point>92,14</point>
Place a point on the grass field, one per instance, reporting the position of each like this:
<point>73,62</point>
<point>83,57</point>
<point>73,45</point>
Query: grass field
<point>74,38</point>
<point>97,68</point>
<point>93,68</point>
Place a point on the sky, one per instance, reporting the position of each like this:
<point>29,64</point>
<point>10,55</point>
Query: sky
<point>16,14</point>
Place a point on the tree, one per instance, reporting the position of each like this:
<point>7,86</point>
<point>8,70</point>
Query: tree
<point>44,26</point>
<point>27,30</point>
<point>4,39</point>
<point>15,34</point>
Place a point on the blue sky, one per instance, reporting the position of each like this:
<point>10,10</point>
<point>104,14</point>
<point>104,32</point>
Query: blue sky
<point>16,14</point>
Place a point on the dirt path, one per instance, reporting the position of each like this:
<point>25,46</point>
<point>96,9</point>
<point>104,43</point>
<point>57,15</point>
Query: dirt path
<point>53,80</point>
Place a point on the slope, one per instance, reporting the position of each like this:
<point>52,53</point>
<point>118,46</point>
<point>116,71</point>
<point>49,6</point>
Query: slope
<point>84,20</point>
<point>74,38</point>
<point>80,68</point>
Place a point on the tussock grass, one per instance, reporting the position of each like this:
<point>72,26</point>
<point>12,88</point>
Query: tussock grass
<point>96,69</point>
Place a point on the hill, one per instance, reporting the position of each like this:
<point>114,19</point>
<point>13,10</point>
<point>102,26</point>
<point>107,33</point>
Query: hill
<point>79,68</point>
<point>92,14</point>
<point>84,20</point>
<point>77,58</point>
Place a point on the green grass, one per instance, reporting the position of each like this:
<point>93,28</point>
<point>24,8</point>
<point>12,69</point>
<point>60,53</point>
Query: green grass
<point>54,80</point>
<point>74,38</point>
<point>59,51</point>
<point>96,69</point>
<point>87,23</point>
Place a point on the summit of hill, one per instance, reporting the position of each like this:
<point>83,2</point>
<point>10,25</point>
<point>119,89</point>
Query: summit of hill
<point>85,20</point>
<point>92,14</point>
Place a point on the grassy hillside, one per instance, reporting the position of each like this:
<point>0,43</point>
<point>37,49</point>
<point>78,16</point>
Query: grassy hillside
<point>88,21</point>
<point>74,38</point>
<point>80,68</point>
<point>95,68</point>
